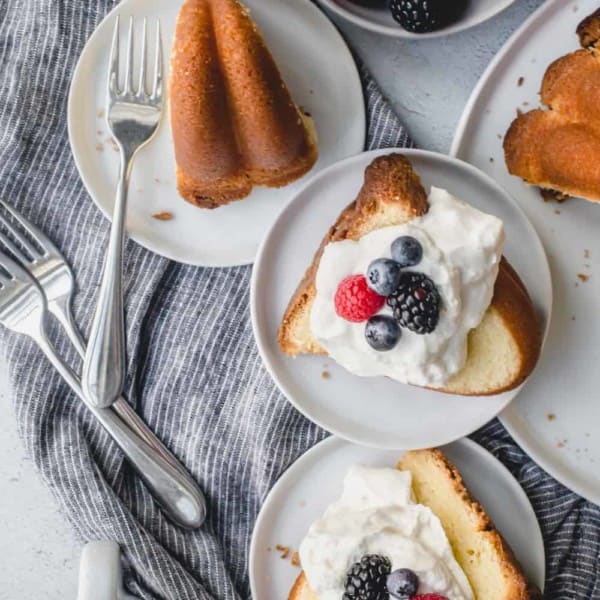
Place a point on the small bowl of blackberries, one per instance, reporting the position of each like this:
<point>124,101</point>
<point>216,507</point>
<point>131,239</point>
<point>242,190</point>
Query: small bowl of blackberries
<point>412,18</point>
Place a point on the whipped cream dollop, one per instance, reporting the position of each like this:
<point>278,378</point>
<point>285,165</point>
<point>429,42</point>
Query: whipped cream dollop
<point>462,248</point>
<point>377,514</point>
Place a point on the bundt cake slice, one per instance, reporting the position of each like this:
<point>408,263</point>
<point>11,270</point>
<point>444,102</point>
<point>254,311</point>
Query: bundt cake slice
<point>486,559</point>
<point>559,149</point>
<point>502,350</point>
<point>233,119</point>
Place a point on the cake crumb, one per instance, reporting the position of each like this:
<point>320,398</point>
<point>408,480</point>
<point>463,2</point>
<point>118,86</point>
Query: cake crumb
<point>525,103</point>
<point>491,159</point>
<point>551,416</point>
<point>100,147</point>
<point>157,180</point>
<point>583,277</point>
<point>326,375</point>
<point>268,548</point>
<point>100,113</point>
<point>295,560</point>
<point>557,212</point>
<point>519,112</point>
<point>586,253</point>
<point>520,81</point>
<point>560,444</point>
<point>163,216</point>
<point>499,136</point>
<point>302,503</point>
<point>573,318</point>
<point>139,190</point>
<point>283,550</point>
<point>100,132</point>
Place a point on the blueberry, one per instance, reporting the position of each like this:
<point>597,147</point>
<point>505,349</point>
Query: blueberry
<point>382,332</point>
<point>407,251</point>
<point>383,276</point>
<point>402,584</point>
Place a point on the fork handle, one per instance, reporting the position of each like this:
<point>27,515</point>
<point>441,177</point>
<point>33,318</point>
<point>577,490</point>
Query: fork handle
<point>61,309</point>
<point>175,490</point>
<point>104,366</point>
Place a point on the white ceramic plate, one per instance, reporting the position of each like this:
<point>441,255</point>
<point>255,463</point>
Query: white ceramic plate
<point>381,21</point>
<point>315,480</point>
<point>378,411</point>
<point>567,381</point>
<point>322,76</point>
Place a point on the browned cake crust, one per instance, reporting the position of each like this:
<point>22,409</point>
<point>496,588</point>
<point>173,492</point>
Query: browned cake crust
<point>479,548</point>
<point>391,194</point>
<point>589,29</point>
<point>559,148</point>
<point>481,551</point>
<point>234,122</point>
<point>389,180</point>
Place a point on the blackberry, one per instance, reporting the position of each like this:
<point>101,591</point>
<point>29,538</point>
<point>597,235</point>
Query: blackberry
<point>416,303</point>
<point>366,579</point>
<point>423,16</point>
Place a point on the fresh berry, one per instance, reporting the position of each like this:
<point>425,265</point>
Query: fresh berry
<point>382,332</point>
<point>407,251</point>
<point>383,276</point>
<point>366,579</point>
<point>428,597</point>
<point>416,302</point>
<point>422,16</point>
<point>403,583</point>
<point>355,301</point>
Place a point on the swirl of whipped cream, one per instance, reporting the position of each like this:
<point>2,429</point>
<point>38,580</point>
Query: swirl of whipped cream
<point>377,514</point>
<point>462,247</point>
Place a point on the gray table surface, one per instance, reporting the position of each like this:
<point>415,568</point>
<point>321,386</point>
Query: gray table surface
<point>428,82</point>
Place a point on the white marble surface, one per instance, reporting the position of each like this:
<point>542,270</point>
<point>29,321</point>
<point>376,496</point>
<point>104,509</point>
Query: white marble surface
<point>428,82</point>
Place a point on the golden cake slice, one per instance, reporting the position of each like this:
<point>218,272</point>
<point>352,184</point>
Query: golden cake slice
<point>233,119</point>
<point>485,558</point>
<point>559,149</point>
<point>502,350</point>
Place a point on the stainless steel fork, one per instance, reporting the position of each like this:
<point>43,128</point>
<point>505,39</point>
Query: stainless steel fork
<point>133,117</point>
<point>23,309</point>
<point>44,261</point>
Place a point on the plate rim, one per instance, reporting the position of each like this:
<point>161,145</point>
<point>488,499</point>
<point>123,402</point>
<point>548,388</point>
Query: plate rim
<point>71,129</point>
<point>511,421</point>
<point>323,446</point>
<point>262,341</point>
<point>401,33</point>
<point>460,130</point>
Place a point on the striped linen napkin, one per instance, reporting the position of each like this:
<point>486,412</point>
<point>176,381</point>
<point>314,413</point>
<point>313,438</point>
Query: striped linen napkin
<point>194,372</point>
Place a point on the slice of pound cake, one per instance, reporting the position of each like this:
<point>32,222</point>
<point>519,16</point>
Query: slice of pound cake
<point>415,288</point>
<point>413,532</point>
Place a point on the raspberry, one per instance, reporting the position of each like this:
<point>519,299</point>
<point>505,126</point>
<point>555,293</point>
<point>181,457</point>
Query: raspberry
<point>428,597</point>
<point>355,301</point>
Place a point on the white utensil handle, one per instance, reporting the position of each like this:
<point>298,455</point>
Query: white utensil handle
<point>100,573</point>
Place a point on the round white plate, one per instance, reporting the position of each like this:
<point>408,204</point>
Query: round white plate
<point>554,419</point>
<point>378,411</point>
<point>381,21</point>
<point>323,79</point>
<point>315,480</point>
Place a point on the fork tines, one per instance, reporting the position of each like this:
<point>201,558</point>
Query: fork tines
<point>114,90</point>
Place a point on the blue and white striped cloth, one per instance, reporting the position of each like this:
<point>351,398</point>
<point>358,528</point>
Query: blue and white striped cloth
<point>194,372</point>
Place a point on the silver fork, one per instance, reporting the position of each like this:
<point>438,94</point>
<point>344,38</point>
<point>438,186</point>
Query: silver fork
<point>133,117</point>
<point>23,309</point>
<point>49,268</point>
